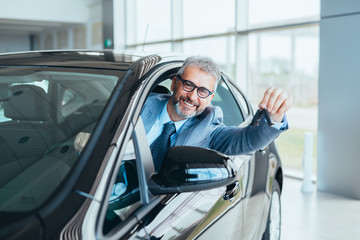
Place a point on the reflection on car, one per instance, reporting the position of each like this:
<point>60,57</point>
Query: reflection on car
<point>110,190</point>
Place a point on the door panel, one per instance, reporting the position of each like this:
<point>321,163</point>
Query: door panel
<point>256,197</point>
<point>225,219</point>
<point>200,214</point>
<point>180,215</point>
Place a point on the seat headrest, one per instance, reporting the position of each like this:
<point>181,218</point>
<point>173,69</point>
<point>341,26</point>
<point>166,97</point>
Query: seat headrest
<point>27,102</point>
<point>161,89</point>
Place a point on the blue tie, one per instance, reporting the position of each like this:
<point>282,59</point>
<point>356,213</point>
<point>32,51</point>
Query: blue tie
<point>162,144</point>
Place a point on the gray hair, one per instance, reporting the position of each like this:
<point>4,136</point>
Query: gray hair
<point>205,64</point>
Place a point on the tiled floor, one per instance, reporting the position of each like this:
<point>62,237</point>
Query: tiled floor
<point>317,215</point>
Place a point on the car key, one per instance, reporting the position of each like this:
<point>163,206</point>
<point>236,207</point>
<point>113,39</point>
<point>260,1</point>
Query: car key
<point>258,115</point>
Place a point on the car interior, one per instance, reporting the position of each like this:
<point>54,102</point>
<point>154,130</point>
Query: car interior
<point>37,134</point>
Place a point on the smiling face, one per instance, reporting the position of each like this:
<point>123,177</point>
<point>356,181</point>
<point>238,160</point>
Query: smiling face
<point>184,104</point>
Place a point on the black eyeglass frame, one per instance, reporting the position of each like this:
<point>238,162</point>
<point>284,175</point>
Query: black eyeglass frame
<point>194,86</point>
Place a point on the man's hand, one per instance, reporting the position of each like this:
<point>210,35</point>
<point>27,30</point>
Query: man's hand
<point>81,140</point>
<point>276,102</point>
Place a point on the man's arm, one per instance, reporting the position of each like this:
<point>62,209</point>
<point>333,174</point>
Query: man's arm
<point>234,140</point>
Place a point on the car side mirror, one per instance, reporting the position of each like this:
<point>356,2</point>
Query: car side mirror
<point>188,169</point>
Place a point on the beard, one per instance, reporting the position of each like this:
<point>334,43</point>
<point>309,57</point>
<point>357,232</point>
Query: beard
<point>183,114</point>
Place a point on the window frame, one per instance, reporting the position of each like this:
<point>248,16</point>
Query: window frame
<point>233,87</point>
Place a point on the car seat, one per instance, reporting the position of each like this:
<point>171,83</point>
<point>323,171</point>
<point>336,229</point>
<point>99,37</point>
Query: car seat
<point>29,133</point>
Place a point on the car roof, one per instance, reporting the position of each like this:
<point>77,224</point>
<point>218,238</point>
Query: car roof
<point>104,59</point>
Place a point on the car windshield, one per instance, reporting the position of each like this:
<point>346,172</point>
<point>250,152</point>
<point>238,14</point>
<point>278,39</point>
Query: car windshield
<point>41,112</point>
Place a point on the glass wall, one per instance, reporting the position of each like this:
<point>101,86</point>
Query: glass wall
<point>282,11</point>
<point>258,43</point>
<point>206,17</point>
<point>147,21</point>
<point>288,59</point>
<point>222,49</point>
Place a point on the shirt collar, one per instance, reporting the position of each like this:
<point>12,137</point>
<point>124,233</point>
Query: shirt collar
<point>164,118</point>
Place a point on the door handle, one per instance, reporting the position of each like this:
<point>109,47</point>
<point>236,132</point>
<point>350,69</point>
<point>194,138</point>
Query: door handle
<point>231,191</point>
<point>263,151</point>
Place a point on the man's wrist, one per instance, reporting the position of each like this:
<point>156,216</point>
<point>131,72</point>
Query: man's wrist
<point>282,126</point>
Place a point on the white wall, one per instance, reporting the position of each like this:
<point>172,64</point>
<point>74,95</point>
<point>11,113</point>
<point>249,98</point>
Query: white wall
<point>339,98</point>
<point>45,10</point>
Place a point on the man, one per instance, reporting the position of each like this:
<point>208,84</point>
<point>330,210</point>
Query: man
<point>190,119</point>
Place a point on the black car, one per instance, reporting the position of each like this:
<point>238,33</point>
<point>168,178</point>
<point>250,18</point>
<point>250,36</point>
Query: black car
<point>49,190</point>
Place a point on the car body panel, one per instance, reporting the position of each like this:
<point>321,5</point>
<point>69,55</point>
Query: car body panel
<point>79,203</point>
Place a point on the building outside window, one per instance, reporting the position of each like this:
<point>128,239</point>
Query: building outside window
<point>258,43</point>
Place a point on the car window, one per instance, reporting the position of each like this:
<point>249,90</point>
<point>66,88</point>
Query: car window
<point>44,84</point>
<point>125,193</point>
<point>41,112</point>
<point>242,101</point>
<point>2,115</point>
<point>68,97</point>
<point>166,84</point>
<point>226,101</point>
<point>5,94</point>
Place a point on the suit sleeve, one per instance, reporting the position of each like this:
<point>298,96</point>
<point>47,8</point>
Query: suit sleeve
<point>236,140</point>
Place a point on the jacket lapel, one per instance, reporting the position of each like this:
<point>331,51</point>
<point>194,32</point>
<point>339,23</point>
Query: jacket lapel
<point>151,111</point>
<point>186,129</point>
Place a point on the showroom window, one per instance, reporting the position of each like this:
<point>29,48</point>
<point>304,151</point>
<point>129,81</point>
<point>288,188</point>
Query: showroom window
<point>222,49</point>
<point>147,21</point>
<point>257,43</point>
<point>288,59</point>
<point>206,17</point>
<point>263,12</point>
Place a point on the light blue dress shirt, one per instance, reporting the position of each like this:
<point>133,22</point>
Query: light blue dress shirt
<point>281,125</point>
<point>158,127</point>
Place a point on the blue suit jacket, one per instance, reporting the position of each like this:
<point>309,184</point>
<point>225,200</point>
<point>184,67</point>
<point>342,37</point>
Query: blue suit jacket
<point>207,129</point>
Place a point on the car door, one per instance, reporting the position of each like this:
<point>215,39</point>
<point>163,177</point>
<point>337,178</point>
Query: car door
<point>256,198</point>
<point>130,211</point>
<point>224,220</point>
<point>140,215</point>
<point>185,215</point>
<point>229,224</point>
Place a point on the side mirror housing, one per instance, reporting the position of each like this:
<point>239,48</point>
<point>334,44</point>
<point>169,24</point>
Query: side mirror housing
<point>188,169</point>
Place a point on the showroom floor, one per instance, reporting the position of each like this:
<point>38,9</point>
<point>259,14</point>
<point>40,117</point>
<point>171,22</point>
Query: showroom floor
<point>318,215</point>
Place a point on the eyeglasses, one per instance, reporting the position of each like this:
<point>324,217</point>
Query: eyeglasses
<point>189,86</point>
